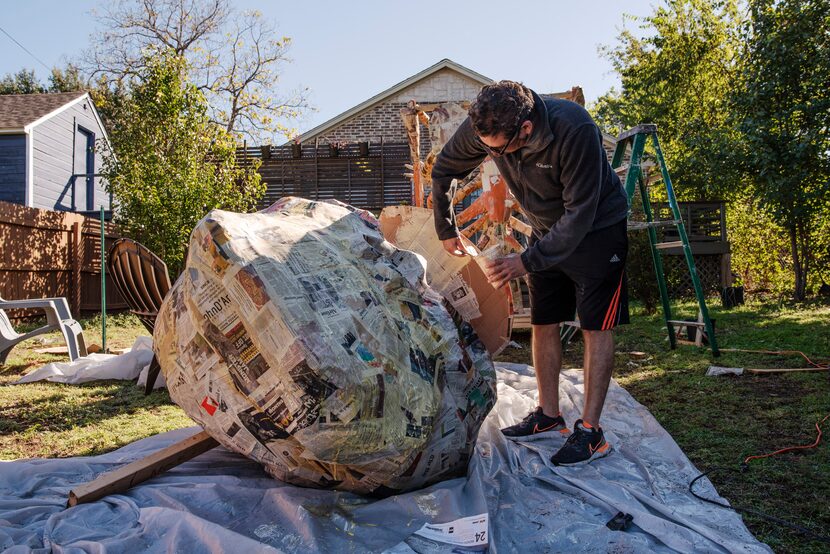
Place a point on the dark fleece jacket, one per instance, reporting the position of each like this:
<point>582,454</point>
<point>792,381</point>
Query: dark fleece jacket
<point>561,178</point>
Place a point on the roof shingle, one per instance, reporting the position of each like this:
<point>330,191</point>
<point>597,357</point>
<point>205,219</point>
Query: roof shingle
<point>18,110</point>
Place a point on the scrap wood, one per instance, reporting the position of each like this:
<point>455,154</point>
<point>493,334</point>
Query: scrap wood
<point>409,115</point>
<point>53,350</point>
<point>474,227</point>
<point>717,370</point>
<point>814,366</point>
<point>91,349</point>
<point>783,370</point>
<point>780,353</point>
<point>520,226</point>
<point>136,472</point>
<point>468,186</point>
<point>478,207</point>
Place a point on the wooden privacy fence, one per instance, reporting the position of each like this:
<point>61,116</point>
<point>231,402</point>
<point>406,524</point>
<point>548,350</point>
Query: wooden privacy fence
<point>365,175</point>
<point>46,253</point>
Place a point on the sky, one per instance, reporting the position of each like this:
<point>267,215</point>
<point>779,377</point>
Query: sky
<point>347,52</point>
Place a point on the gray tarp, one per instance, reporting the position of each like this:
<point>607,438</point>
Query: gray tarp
<point>224,502</point>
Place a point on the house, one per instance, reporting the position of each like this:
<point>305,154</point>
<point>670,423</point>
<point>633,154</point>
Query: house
<point>379,118</point>
<point>361,155</point>
<point>49,152</point>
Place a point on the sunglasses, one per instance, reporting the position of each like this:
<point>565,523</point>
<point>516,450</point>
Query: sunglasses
<point>497,153</point>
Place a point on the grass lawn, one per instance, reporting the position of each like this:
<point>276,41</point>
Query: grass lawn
<point>717,421</point>
<point>54,420</point>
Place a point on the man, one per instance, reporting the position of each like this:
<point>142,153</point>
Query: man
<point>550,154</point>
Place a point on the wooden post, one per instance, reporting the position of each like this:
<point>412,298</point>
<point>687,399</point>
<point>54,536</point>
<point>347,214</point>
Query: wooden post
<point>382,156</point>
<point>349,180</point>
<point>409,114</point>
<point>77,260</point>
<point>132,474</point>
<point>316,170</point>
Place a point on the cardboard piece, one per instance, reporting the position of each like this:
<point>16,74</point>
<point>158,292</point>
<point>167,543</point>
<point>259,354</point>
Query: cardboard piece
<point>461,280</point>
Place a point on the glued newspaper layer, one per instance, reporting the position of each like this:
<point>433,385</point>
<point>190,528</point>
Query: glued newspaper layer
<point>301,338</point>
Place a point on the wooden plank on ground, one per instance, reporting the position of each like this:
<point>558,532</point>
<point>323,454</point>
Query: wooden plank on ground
<point>136,472</point>
<point>784,370</point>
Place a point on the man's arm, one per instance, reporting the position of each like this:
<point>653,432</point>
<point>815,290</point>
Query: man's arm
<point>457,159</point>
<point>582,163</point>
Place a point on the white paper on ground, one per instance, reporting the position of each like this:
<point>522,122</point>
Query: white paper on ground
<point>467,531</point>
<point>714,371</point>
<point>96,366</point>
<point>224,502</point>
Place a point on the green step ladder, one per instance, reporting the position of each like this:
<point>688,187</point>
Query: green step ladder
<point>636,138</point>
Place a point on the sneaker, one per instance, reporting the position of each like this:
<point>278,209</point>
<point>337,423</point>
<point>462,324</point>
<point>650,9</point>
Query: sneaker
<point>584,445</point>
<point>536,426</point>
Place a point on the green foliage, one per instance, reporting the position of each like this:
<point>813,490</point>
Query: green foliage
<point>110,100</point>
<point>26,82</point>
<point>171,165</point>
<point>742,103</point>
<point>783,108</point>
<point>23,82</point>
<point>677,75</point>
<point>760,252</point>
<point>66,80</point>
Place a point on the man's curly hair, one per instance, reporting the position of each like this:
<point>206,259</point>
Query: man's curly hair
<point>499,108</point>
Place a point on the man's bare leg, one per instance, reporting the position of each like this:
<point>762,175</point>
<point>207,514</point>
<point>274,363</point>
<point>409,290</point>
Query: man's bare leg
<point>547,361</point>
<point>599,363</point>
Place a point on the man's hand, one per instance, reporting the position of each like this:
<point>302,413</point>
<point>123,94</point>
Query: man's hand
<point>454,246</point>
<point>503,270</point>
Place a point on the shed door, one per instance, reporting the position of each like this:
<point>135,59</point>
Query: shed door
<point>84,191</point>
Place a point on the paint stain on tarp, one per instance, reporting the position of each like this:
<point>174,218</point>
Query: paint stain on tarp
<point>428,504</point>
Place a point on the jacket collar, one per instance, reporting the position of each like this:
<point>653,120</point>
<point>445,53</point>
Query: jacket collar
<point>542,135</point>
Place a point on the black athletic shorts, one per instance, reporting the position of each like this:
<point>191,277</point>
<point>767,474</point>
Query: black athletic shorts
<point>590,282</point>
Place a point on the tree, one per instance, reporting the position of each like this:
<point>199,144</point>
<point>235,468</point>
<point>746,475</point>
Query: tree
<point>678,75</point>
<point>676,72</point>
<point>170,164</point>
<point>26,82</point>
<point>783,111</point>
<point>23,82</point>
<point>68,79</point>
<point>231,57</point>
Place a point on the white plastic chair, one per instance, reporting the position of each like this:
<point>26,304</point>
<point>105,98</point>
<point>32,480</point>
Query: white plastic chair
<point>57,318</point>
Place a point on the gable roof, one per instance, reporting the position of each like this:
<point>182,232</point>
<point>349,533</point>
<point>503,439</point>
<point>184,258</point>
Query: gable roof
<point>443,64</point>
<point>19,111</point>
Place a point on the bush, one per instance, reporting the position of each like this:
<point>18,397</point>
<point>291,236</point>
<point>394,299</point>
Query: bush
<point>171,165</point>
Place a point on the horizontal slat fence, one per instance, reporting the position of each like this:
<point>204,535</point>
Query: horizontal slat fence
<point>704,221</point>
<point>369,176</point>
<point>45,253</point>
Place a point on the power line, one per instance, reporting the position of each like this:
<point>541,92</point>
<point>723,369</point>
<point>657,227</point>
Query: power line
<point>25,49</point>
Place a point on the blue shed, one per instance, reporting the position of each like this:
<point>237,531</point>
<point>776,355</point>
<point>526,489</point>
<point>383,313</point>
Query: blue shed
<point>49,155</point>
